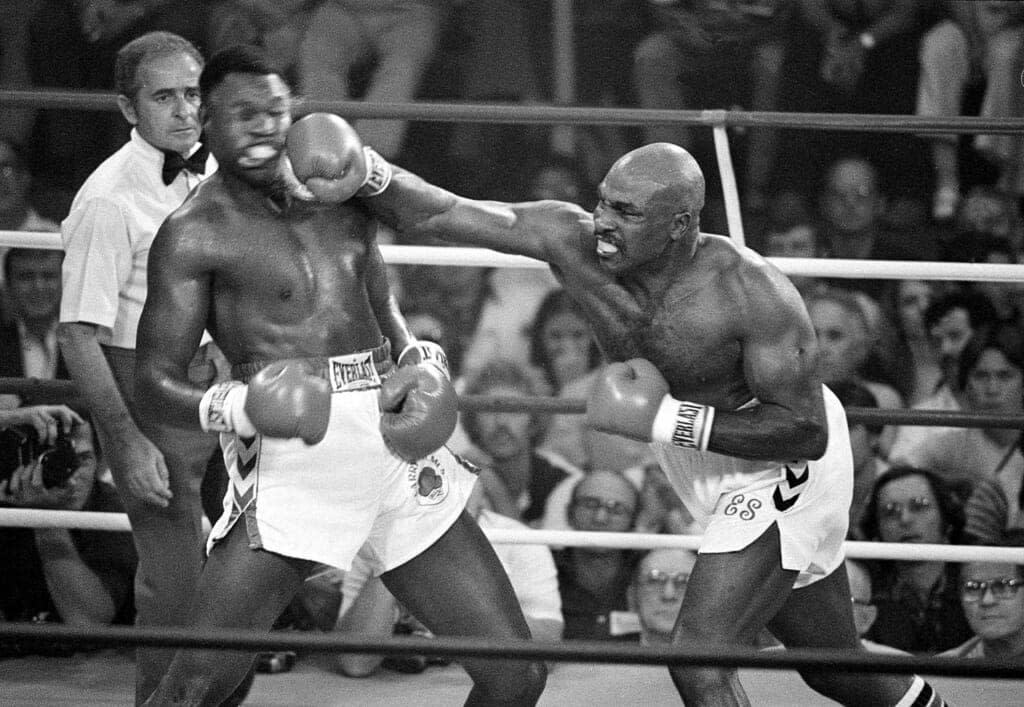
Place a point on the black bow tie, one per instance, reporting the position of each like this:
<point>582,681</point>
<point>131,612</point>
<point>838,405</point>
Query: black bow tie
<point>174,163</point>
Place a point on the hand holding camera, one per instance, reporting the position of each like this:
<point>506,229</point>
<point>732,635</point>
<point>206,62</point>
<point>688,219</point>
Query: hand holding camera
<point>37,455</point>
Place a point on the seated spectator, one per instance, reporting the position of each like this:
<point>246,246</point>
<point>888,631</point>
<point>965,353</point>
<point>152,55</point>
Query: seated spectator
<point>842,59</point>
<point>78,577</point>
<point>992,377</point>
<point>918,601</point>
<point>28,341</point>
<point>593,581</point>
<point>398,37</point>
<point>799,240</point>
<point>657,591</point>
<point>1006,297</point>
<point>852,208</point>
<point>848,348</point>
<point>864,441</point>
<point>864,610</point>
<point>518,478</point>
<point>996,505</point>
<point>16,210</point>
<point>916,362</point>
<point>994,605</point>
<point>369,608</point>
<point>977,44</point>
<point>661,509</point>
<point>951,321</point>
<point>714,54</point>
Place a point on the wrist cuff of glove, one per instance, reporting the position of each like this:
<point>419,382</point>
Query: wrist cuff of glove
<point>683,424</point>
<point>378,174</point>
<point>425,352</point>
<point>222,409</point>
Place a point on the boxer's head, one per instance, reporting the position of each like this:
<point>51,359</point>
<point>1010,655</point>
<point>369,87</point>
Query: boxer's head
<point>649,205</point>
<point>247,110</point>
<point>157,81</point>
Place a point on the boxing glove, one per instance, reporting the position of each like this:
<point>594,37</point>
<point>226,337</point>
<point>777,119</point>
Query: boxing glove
<point>632,399</point>
<point>281,400</point>
<point>328,157</point>
<point>419,410</point>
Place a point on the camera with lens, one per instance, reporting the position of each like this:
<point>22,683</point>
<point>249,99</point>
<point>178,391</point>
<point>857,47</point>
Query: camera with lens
<point>20,445</point>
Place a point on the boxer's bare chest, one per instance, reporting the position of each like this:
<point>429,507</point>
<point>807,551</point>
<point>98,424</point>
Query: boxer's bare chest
<point>691,333</point>
<point>298,274</point>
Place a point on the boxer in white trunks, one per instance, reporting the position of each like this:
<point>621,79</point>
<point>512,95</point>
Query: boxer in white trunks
<point>334,426</point>
<point>714,355</point>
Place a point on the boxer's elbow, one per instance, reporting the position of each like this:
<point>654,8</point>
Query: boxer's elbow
<point>812,438</point>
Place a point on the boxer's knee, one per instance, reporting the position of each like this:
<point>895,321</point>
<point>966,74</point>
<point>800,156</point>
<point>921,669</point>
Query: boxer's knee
<point>508,683</point>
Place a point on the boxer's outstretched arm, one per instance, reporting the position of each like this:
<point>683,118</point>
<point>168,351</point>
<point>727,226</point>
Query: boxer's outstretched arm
<point>171,326</point>
<point>780,364</point>
<point>539,229</point>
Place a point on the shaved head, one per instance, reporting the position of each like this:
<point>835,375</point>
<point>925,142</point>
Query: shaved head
<point>669,166</point>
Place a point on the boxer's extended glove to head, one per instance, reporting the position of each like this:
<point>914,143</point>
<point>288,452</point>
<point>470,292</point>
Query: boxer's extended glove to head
<point>419,410</point>
<point>328,157</point>
<point>632,399</point>
<point>281,400</point>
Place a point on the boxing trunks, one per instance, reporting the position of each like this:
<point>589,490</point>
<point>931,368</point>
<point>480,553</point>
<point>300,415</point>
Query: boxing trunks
<point>736,500</point>
<point>322,502</point>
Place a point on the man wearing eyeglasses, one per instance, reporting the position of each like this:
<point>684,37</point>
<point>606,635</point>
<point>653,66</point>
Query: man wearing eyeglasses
<point>992,594</point>
<point>657,590</point>
<point>593,582</point>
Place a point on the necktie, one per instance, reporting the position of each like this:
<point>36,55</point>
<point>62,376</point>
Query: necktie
<point>174,163</point>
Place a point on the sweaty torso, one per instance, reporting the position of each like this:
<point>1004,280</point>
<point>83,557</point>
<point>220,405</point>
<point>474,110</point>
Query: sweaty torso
<point>690,328</point>
<point>287,282</point>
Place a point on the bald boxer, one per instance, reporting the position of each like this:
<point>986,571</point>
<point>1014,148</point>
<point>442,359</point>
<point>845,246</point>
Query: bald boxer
<point>716,367</point>
<point>333,426</point>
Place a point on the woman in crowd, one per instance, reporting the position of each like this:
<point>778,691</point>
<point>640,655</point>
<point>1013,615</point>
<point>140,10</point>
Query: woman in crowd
<point>918,601</point>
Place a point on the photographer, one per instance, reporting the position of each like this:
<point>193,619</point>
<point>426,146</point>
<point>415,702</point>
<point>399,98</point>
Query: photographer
<point>56,574</point>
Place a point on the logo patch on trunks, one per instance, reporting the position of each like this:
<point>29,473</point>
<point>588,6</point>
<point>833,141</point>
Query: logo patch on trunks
<point>786,493</point>
<point>353,372</point>
<point>428,481</point>
<point>743,507</point>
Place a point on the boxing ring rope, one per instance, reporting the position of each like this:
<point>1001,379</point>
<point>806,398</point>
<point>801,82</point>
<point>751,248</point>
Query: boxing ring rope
<point>839,268</point>
<point>564,651</point>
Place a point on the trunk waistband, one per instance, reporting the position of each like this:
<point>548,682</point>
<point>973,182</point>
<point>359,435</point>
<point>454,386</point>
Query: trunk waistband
<point>355,371</point>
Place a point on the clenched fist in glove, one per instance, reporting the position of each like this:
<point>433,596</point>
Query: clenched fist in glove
<point>632,399</point>
<point>329,158</point>
<point>281,400</point>
<point>419,409</point>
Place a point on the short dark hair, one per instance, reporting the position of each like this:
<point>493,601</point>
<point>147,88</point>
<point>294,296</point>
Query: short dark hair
<point>1006,339</point>
<point>980,310</point>
<point>506,374</point>
<point>18,253</point>
<point>853,394</point>
<point>950,500</point>
<point>237,59</point>
<point>556,302</point>
<point>149,46</point>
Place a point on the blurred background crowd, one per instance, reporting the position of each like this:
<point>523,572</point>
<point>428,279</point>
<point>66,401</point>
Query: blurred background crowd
<point>804,193</point>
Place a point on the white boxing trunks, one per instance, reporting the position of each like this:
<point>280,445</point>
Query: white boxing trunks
<point>736,500</point>
<point>323,502</point>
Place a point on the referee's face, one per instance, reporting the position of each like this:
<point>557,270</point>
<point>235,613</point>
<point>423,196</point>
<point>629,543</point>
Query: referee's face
<point>165,107</point>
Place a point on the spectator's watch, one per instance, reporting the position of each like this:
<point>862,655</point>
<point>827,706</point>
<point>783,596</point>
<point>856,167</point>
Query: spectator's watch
<point>867,40</point>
